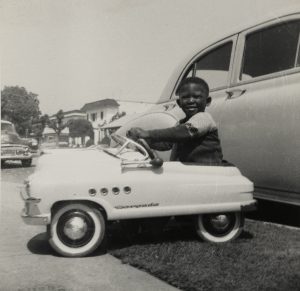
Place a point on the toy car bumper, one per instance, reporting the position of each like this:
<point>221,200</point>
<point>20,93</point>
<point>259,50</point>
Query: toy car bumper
<point>31,213</point>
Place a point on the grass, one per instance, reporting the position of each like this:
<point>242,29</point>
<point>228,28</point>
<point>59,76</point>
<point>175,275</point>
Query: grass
<point>265,257</point>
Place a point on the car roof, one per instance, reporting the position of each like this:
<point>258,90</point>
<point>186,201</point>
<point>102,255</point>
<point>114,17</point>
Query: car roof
<point>5,121</point>
<point>168,89</point>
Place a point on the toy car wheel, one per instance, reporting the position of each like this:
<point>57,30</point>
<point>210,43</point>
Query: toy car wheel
<point>26,163</point>
<point>76,230</point>
<point>219,227</point>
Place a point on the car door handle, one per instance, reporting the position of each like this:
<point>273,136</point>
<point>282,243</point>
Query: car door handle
<point>235,93</point>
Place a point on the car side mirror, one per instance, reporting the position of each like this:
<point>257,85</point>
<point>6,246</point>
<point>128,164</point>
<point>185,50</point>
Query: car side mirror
<point>157,162</point>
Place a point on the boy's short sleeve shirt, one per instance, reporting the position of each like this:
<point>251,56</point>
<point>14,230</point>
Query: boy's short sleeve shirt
<point>200,124</point>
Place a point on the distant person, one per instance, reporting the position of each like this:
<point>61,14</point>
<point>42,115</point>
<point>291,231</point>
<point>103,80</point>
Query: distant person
<point>195,138</point>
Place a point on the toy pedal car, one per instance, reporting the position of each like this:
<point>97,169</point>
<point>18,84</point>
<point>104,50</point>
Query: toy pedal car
<point>75,192</point>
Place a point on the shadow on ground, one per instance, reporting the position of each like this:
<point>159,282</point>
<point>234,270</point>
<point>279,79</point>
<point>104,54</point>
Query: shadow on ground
<point>280,213</point>
<point>14,165</point>
<point>39,245</point>
<point>155,234</point>
<point>119,237</point>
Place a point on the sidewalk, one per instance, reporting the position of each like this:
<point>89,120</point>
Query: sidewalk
<point>27,262</point>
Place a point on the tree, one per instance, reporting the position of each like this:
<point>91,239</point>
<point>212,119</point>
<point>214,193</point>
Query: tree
<point>39,124</point>
<point>80,128</point>
<point>20,107</point>
<point>57,124</point>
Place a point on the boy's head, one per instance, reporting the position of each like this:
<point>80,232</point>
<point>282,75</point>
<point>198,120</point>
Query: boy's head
<point>193,95</point>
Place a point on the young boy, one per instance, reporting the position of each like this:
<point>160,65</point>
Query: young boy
<point>195,139</point>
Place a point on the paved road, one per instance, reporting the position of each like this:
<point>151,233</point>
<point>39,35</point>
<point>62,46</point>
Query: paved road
<point>28,263</point>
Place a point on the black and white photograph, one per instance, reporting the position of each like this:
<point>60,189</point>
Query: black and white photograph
<point>150,145</point>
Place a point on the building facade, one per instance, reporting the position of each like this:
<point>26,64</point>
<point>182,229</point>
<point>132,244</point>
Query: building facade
<point>103,112</point>
<point>49,135</point>
<point>99,113</point>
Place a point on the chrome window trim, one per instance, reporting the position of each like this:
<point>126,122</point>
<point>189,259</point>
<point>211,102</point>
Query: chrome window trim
<point>238,61</point>
<point>233,39</point>
<point>268,77</point>
<point>297,64</point>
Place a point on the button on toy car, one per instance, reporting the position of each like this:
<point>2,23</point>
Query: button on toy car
<point>75,192</point>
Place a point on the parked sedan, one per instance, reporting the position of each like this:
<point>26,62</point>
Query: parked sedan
<point>14,148</point>
<point>254,80</point>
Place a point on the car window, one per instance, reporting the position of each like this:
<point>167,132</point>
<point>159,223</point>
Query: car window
<point>271,50</point>
<point>213,67</point>
<point>6,127</point>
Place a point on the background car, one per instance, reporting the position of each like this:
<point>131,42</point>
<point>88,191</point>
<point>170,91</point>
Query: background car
<point>12,146</point>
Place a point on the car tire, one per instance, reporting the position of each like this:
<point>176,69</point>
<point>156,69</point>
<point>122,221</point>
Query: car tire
<point>77,230</point>
<point>219,227</point>
<point>26,163</point>
<point>2,164</point>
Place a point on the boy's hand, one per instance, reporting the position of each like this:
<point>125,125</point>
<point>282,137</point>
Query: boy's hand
<point>135,133</point>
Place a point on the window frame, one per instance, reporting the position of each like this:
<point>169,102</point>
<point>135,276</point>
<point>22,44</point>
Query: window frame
<point>93,116</point>
<point>240,48</point>
<point>192,62</point>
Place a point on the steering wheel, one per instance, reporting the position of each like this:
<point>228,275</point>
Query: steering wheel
<point>156,161</point>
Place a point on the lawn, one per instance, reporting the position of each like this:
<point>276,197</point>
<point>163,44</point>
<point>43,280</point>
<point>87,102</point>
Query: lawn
<point>265,257</point>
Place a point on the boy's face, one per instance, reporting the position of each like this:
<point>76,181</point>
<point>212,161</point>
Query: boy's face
<point>193,98</point>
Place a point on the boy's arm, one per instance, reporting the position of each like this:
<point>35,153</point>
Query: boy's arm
<point>172,134</point>
<point>197,126</point>
<point>135,133</point>
<point>160,146</point>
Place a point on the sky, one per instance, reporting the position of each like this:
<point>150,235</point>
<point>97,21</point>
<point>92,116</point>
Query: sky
<point>71,52</point>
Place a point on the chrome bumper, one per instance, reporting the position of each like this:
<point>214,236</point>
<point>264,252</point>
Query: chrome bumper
<point>31,213</point>
<point>16,158</point>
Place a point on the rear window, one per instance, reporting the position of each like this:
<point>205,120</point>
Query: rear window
<point>271,50</point>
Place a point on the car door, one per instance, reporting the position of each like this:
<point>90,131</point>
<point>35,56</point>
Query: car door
<point>259,123</point>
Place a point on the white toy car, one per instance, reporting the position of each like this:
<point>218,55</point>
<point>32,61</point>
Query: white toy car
<point>75,192</point>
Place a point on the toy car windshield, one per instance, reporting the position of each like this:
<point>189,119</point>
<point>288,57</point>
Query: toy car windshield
<point>126,149</point>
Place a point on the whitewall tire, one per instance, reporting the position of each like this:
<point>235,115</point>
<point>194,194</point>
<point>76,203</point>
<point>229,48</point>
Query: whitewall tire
<point>219,227</point>
<point>76,230</point>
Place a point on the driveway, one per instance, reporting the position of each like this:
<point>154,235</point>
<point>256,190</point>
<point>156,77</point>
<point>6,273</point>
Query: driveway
<point>28,263</point>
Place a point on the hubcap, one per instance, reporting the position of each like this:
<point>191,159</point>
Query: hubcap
<point>75,228</point>
<point>220,221</point>
<point>219,224</point>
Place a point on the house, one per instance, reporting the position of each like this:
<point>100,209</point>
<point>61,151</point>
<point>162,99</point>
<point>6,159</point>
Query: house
<point>72,114</point>
<point>103,112</point>
<point>49,135</point>
<point>100,113</point>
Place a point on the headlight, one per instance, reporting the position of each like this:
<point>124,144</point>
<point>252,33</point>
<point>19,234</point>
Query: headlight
<point>25,151</point>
